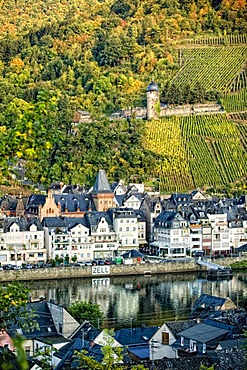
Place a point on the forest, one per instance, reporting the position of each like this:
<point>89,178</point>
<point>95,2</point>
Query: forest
<point>99,56</point>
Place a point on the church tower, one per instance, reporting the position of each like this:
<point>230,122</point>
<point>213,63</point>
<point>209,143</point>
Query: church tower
<point>152,94</point>
<point>102,194</point>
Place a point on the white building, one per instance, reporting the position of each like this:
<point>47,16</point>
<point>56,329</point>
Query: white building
<point>220,233</point>
<point>125,224</point>
<point>171,235</point>
<point>68,238</point>
<point>21,241</point>
<point>103,235</point>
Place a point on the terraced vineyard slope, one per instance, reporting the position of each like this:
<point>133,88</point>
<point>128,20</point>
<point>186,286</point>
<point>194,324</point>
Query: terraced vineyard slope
<point>206,150</point>
<point>215,68</point>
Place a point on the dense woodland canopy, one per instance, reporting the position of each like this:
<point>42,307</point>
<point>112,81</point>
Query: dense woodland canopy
<point>58,56</point>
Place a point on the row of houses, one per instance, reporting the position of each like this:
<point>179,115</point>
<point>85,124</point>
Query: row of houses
<point>213,339</point>
<point>97,235</point>
<point>105,221</point>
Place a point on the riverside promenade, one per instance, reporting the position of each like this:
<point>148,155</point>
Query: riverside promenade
<point>146,269</point>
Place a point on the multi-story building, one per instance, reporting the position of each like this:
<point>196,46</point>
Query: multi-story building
<point>21,241</point>
<point>220,233</point>
<point>125,224</point>
<point>171,235</point>
<point>105,242</point>
<point>68,239</point>
<point>151,207</point>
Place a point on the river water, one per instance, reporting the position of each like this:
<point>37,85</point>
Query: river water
<point>141,300</point>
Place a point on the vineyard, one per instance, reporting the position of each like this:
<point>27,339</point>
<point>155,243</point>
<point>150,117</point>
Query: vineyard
<point>215,68</point>
<point>206,150</point>
<point>222,40</point>
<point>235,102</point>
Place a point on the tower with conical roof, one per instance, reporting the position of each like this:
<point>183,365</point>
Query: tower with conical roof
<point>152,94</point>
<point>102,194</point>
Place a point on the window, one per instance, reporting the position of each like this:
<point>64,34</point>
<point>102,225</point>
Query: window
<point>195,239</point>
<point>28,350</point>
<point>60,327</point>
<point>165,337</point>
<point>192,346</point>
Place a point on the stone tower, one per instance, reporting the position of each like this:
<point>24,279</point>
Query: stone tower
<point>152,101</point>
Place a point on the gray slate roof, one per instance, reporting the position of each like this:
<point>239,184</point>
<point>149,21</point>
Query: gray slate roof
<point>203,333</point>
<point>87,330</point>
<point>101,184</point>
<point>178,326</point>
<point>67,353</point>
<point>64,222</point>
<point>193,363</point>
<point>135,336</point>
<point>93,218</point>
<point>44,319</point>
<point>23,223</point>
<point>73,201</point>
<point>206,303</point>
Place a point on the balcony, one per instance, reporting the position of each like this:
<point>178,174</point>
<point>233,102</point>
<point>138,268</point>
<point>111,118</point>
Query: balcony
<point>61,241</point>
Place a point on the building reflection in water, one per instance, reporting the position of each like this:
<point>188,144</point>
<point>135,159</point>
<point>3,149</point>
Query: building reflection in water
<point>141,300</point>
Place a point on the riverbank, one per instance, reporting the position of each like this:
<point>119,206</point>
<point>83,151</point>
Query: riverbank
<point>146,269</point>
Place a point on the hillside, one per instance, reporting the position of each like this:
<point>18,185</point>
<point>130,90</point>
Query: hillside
<point>60,56</point>
<point>198,151</point>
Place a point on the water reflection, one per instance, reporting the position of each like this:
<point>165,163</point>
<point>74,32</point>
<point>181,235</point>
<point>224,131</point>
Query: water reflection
<point>141,299</point>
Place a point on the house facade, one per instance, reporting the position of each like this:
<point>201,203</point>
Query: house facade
<point>171,235</point>
<point>21,241</point>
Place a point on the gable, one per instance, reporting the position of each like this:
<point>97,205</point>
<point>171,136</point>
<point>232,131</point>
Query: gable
<point>102,225</point>
<point>33,227</point>
<point>80,230</point>
<point>14,228</point>
<point>132,198</point>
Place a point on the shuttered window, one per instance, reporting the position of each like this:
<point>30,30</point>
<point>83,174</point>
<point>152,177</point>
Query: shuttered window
<point>165,338</point>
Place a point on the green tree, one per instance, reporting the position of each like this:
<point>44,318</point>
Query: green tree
<point>13,309</point>
<point>112,356</point>
<point>86,311</point>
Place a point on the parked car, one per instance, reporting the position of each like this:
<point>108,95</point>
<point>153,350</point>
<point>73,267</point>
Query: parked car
<point>8,267</point>
<point>198,254</point>
<point>107,262</point>
<point>26,266</point>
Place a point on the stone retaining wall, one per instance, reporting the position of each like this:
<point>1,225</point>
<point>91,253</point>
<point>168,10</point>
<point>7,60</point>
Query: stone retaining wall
<point>101,271</point>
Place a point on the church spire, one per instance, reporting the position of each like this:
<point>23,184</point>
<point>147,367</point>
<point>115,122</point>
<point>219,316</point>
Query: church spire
<point>101,184</point>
